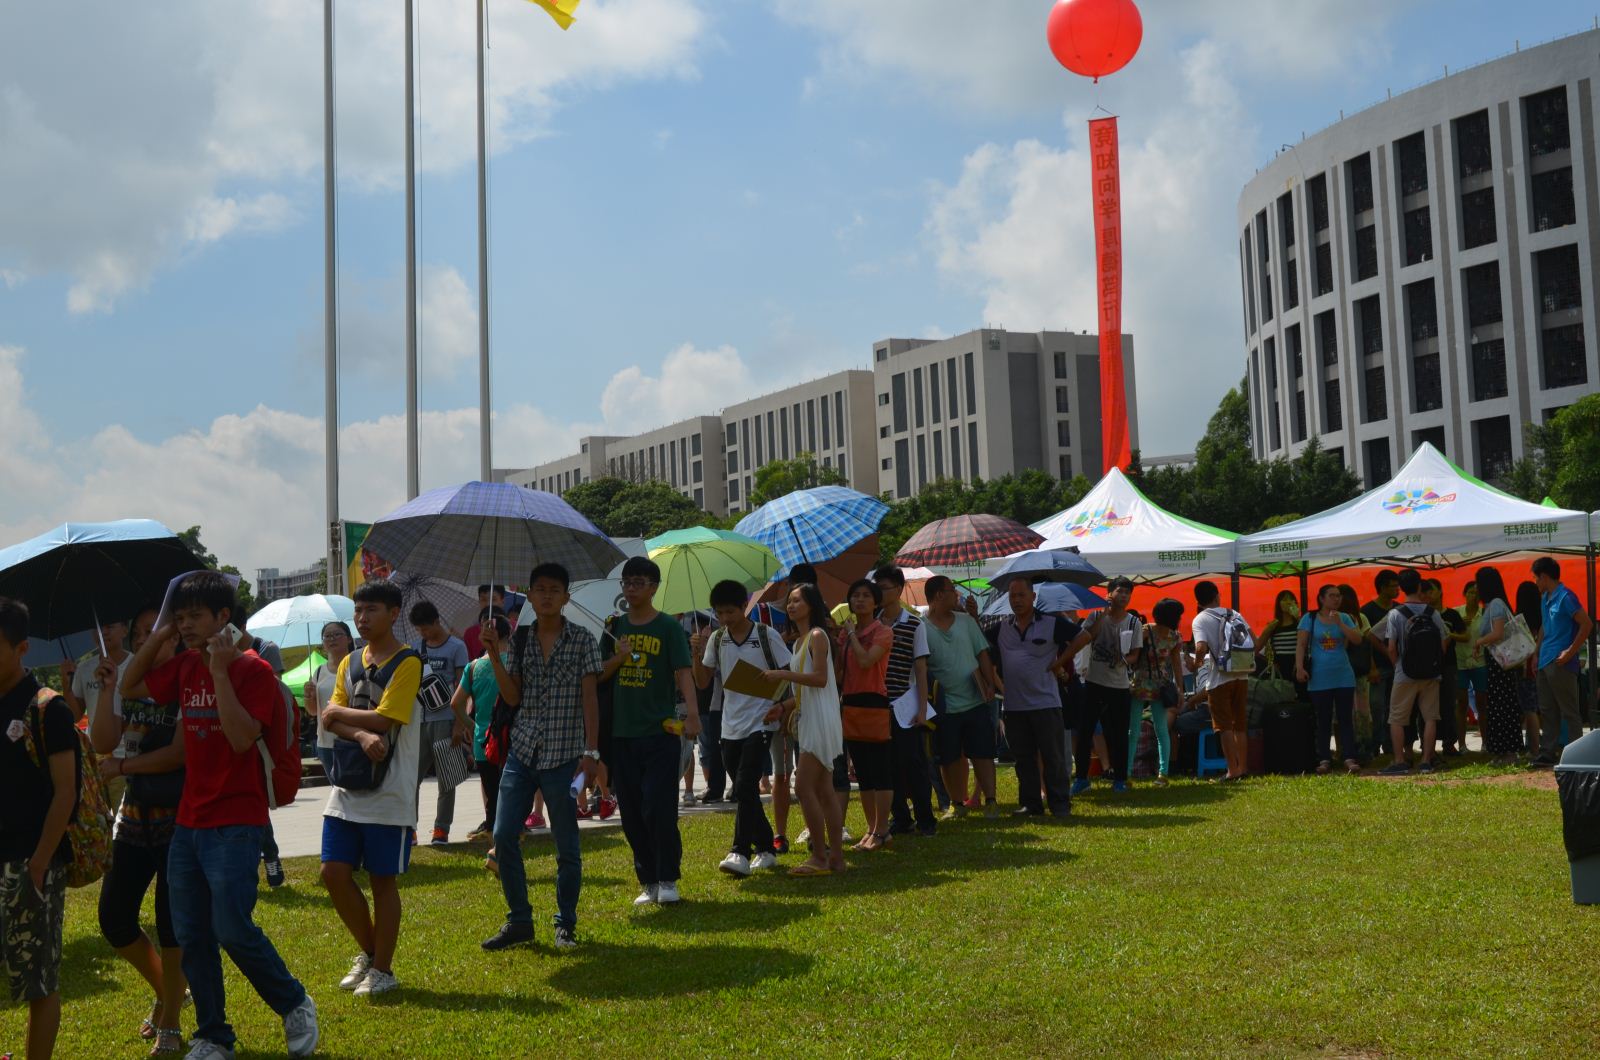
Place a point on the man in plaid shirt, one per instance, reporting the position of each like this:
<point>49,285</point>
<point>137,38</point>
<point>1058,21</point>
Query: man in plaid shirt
<point>553,677</point>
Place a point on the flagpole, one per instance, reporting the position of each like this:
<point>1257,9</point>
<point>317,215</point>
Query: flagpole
<point>413,486</point>
<point>485,465</point>
<point>334,571</point>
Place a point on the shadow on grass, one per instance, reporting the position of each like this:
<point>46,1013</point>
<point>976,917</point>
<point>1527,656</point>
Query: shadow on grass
<point>706,916</point>
<point>88,968</point>
<point>465,1001</point>
<point>608,971</point>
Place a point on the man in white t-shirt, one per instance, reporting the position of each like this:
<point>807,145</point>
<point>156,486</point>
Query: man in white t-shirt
<point>80,687</point>
<point>371,828</point>
<point>748,722</point>
<point>1226,691</point>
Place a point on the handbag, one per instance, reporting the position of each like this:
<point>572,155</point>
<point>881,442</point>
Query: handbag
<point>450,764</point>
<point>1515,646</point>
<point>1271,691</point>
<point>866,724</point>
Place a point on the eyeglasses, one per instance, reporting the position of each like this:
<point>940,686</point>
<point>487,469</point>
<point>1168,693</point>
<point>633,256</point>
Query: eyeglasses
<point>636,583</point>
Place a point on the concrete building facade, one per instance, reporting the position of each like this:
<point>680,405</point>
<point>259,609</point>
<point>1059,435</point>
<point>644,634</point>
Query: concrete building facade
<point>272,584</point>
<point>832,418</point>
<point>1425,270</point>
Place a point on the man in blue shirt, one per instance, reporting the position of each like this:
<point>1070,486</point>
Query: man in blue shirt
<point>1563,629</point>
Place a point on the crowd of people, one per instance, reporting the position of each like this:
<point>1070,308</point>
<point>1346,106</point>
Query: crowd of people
<point>797,701</point>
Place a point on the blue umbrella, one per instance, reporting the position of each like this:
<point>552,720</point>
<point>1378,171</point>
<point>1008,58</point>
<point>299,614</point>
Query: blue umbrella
<point>1049,565</point>
<point>490,532</point>
<point>1051,598</point>
<point>79,575</point>
<point>814,525</point>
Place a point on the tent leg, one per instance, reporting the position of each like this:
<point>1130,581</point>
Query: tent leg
<point>1304,572</point>
<point>1594,634</point>
<point>1233,585</point>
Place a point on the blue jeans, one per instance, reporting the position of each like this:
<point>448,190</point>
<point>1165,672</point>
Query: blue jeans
<point>518,782</point>
<point>211,875</point>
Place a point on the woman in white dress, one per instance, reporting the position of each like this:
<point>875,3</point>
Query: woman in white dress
<point>818,731</point>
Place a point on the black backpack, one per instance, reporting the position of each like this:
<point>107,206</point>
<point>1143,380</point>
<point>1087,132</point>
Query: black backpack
<point>1422,656</point>
<point>351,769</point>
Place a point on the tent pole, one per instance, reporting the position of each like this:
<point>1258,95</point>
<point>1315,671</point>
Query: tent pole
<point>1305,569</point>
<point>1594,634</point>
<point>1233,584</point>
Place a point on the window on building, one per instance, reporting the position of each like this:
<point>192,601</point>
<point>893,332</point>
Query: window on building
<point>1286,218</point>
<point>1412,157</point>
<point>1269,351</point>
<point>1478,225</point>
<point>1562,356</point>
<point>1494,447</point>
<point>838,416</point>
<point>1062,405</point>
<point>1060,360</point>
<point>973,468</point>
<point>935,406</point>
<point>1318,186</point>
<point>922,460</point>
<point>887,463</point>
<point>1332,405</point>
<point>1422,311</point>
<point>695,443</point>
<point>1473,153</point>
<point>1553,205</point>
<point>1327,338</point>
<point>799,431</point>
<point>994,342</point>
<point>672,462</point>
<point>1560,281</point>
<point>883,354</point>
<point>1275,430</point>
<point>883,432</point>
<point>955,452</point>
<point>1434,436</point>
<point>916,395</point>
<point>972,386</point>
<point>1376,405</point>
<point>827,426</point>
<point>772,438</point>
<point>902,468</point>
<point>1298,424</point>
<point>1297,363</point>
<point>700,498</point>
<point>1427,389</point>
<point>950,388</point>
<point>811,424</point>
<point>1483,294</point>
<point>783,431</point>
<point>733,434</point>
<point>1324,268</point>
<point>1358,171</point>
<point>897,386</point>
<point>747,486</point>
<point>1063,434</point>
<point>1369,318</point>
<point>1545,116</point>
<point>1379,469</point>
<point>1489,370</point>
<point>1366,256</point>
<point>1291,283</point>
<point>733,490</point>
<point>1419,235</point>
<point>883,399</point>
<point>938,454</point>
<point>1249,283</point>
<point>698,477</point>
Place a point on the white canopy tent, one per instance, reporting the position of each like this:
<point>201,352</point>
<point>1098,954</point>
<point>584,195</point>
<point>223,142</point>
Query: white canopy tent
<point>1430,512</point>
<point>1122,532</point>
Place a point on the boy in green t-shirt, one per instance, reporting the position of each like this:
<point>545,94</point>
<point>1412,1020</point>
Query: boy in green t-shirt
<point>647,660</point>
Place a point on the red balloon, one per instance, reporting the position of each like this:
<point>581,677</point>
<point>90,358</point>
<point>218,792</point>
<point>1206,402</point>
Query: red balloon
<point>1094,37</point>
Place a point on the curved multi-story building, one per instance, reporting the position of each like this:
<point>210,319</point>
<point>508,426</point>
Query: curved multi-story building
<point>1425,269</point>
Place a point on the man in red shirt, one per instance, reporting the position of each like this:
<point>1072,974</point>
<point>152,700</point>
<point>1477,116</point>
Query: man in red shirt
<point>225,699</point>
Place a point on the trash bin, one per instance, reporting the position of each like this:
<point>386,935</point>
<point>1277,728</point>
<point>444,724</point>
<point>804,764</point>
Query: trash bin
<point>1578,778</point>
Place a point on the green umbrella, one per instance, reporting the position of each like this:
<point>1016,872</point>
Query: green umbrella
<point>296,679</point>
<point>694,560</point>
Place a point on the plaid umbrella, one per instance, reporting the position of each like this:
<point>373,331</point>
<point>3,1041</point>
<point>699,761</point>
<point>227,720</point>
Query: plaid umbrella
<point>490,532</point>
<point>963,540</point>
<point>457,604</point>
<point>814,525</point>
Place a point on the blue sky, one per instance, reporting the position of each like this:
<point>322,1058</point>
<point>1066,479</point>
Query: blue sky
<point>692,202</point>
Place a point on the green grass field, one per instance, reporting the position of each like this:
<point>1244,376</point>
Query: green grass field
<point>1286,917</point>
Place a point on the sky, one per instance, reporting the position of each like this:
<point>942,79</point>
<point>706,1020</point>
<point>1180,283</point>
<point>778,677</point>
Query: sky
<point>691,202</point>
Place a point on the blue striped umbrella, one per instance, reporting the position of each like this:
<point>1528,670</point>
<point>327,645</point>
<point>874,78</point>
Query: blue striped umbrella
<point>814,525</point>
<point>490,533</point>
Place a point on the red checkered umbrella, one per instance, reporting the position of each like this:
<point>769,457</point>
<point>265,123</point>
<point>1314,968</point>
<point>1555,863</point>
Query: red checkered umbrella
<point>965,540</point>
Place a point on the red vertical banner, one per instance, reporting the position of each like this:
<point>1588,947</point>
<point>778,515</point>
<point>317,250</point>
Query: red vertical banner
<point>1107,193</point>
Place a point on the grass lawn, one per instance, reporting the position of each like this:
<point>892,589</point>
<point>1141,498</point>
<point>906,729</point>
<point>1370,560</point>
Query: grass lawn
<point>1309,916</point>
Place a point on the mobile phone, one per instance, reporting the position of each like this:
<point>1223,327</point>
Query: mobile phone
<point>231,631</point>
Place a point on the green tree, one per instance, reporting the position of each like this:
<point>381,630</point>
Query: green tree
<point>782,477</point>
<point>636,509</point>
<point>1562,458</point>
<point>191,537</point>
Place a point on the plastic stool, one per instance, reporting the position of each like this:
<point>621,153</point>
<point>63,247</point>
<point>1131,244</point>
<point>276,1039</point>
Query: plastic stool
<point>1206,762</point>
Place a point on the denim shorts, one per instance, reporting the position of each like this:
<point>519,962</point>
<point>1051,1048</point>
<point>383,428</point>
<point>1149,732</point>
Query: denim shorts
<point>381,849</point>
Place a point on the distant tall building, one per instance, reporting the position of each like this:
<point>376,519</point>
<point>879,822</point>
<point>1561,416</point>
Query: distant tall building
<point>272,584</point>
<point>978,405</point>
<point>1425,270</point>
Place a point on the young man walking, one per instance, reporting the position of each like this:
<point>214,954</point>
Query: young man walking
<point>1563,630</point>
<point>1031,651</point>
<point>374,703</point>
<point>445,657</point>
<point>649,659</point>
<point>227,699</point>
<point>907,681</point>
<point>555,739</point>
<point>1225,688</point>
<point>958,659</point>
<point>38,790</point>
<point>748,721</point>
<point>1415,639</point>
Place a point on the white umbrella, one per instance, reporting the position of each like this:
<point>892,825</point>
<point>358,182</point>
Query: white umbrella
<point>297,622</point>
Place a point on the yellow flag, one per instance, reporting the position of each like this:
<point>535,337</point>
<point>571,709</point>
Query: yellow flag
<point>560,10</point>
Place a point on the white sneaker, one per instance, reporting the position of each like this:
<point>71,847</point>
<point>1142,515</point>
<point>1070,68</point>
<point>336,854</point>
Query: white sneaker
<point>845,837</point>
<point>646,896</point>
<point>377,983</point>
<point>804,836</point>
<point>735,865</point>
<point>667,893</point>
<point>300,1032</point>
<point>764,860</point>
<point>358,971</point>
<point>688,799</point>
<point>200,1049</point>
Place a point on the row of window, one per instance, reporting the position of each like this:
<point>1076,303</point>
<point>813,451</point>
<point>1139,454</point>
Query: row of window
<point>787,431</point>
<point>900,463</point>
<point>931,396</point>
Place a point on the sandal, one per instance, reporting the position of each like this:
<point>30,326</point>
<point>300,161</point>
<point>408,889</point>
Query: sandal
<point>168,1042</point>
<point>147,1027</point>
<point>805,868</point>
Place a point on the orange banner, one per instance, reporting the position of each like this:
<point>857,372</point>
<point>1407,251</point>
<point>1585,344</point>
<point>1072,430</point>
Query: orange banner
<point>1115,449</point>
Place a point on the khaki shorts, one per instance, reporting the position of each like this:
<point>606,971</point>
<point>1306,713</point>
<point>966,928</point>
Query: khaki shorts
<point>1229,703</point>
<point>1424,695</point>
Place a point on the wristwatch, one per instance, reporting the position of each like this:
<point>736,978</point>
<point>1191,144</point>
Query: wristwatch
<point>591,755</point>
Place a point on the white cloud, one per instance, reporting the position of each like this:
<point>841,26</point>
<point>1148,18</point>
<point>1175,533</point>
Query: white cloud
<point>372,324</point>
<point>121,159</point>
<point>692,382</point>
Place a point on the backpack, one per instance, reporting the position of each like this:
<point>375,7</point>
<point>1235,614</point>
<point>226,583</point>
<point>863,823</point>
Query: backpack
<point>352,769</point>
<point>1238,644</point>
<point>433,694</point>
<point>89,830</point>
<point>279,747</point>
<point>1422,655</point>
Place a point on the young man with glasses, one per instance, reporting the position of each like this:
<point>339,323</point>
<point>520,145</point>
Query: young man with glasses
<point>647,656</point>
